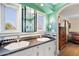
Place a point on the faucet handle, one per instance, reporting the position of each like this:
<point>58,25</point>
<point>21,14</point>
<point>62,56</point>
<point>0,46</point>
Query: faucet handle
<point>17,40</point>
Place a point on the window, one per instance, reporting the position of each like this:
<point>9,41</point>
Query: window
<point>10,18</point>
<point>41,22</point>
<point>28,20</point>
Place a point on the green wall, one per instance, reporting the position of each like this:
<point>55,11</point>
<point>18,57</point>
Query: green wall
<point>54,25</point>
<point>55,16</point>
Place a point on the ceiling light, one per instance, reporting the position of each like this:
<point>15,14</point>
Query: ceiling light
<point>42,4</point>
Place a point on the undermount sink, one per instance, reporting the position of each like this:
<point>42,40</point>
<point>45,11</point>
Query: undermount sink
<point>43,39</point>
<point>17,45</point>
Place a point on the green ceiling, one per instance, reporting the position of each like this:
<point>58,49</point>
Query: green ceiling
<point>48,8</point>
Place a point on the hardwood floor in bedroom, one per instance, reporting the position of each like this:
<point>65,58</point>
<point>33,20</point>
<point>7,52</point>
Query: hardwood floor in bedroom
<point>70,50</point>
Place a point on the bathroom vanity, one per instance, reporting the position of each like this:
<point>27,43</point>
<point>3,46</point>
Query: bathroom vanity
<point>41,49</point>
<point>37,45</point>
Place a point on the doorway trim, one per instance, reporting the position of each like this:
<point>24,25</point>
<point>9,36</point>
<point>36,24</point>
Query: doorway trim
<point>65,6</point>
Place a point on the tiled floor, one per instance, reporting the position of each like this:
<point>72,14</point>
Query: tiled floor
<point>70,50</point>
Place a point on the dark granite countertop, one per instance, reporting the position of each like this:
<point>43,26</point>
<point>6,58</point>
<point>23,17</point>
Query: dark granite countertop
<point>33,42</point>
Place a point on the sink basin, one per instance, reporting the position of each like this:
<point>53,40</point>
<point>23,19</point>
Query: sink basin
<point>43,39</point>
<point>17,45</point>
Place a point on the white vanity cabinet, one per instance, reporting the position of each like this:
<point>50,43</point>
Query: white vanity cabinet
<point>46,49</point>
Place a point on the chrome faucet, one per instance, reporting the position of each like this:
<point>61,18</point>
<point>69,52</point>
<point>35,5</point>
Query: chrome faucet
<point>18,38</point>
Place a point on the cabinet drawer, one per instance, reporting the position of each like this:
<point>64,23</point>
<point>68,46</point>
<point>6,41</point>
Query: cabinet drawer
<point>26,52</point>
<point>62,36</point>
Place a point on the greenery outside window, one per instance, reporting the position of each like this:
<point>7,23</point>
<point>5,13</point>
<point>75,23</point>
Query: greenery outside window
<point>10,18</point>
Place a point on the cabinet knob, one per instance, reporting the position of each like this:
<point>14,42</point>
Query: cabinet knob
<point>49,48</point>
<point>37,54</point>
<point>37,46</point>
<point>54,52</point>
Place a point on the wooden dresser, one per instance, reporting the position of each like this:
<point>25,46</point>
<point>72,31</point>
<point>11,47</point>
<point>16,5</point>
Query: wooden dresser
<point>62,37</point>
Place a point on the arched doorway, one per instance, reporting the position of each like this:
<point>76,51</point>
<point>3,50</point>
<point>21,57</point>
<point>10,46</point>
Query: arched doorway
<point>70,12</point>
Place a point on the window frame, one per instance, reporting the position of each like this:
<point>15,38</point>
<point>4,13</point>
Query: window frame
<point>27,10</point>
<point>44,29</point>
<point>18,19</point>
<point>1,18</point>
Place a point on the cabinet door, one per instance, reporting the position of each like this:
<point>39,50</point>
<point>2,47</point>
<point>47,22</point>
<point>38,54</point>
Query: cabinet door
<point>52,48</point>
<point>44,49</point>
<point>41,50</point>
<point>47,49</point>
<point>26,52</point>
<point>35,51</point>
